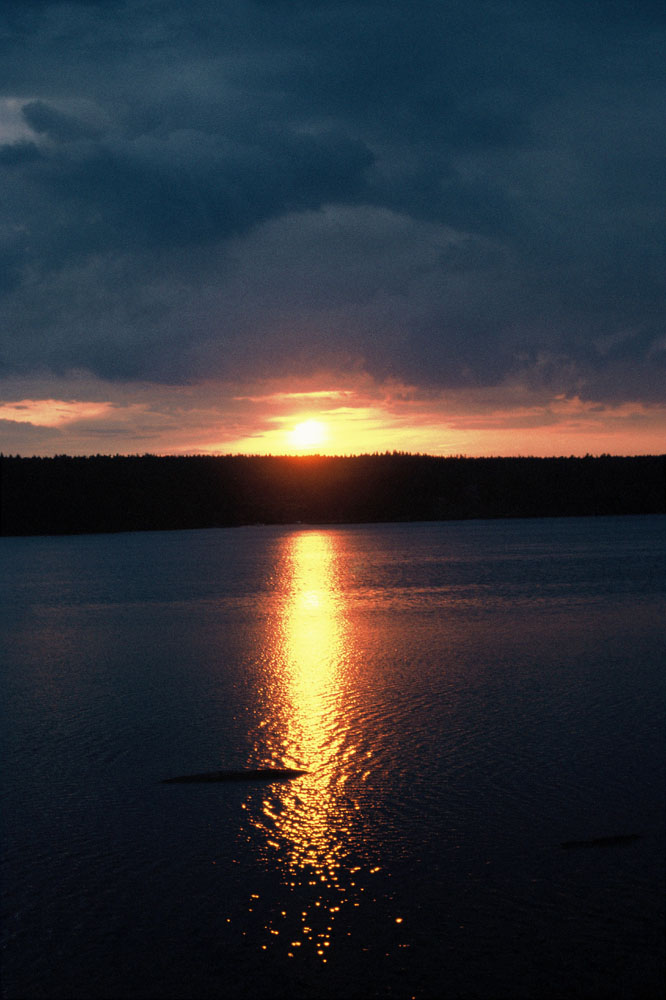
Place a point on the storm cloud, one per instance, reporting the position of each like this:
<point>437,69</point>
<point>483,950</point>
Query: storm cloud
<point>447,194</point>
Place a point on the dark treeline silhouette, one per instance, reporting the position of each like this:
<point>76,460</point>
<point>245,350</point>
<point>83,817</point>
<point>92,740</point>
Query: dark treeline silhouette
<point>65,495</point>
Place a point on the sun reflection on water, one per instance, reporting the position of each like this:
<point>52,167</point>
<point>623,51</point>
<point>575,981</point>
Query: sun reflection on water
<point>311,825</point>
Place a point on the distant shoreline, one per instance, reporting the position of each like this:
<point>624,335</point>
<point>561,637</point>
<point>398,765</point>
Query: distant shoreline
<point>71,495</point>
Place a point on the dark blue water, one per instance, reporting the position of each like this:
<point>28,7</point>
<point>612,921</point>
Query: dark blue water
<point>465,697</point>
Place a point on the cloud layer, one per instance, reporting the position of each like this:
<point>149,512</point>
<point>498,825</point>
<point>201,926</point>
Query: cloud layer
<point>452,195</point>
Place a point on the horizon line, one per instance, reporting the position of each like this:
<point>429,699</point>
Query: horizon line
<point>396,453</point>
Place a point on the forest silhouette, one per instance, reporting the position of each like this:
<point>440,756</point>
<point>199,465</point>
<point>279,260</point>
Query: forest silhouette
<point>71,495</point>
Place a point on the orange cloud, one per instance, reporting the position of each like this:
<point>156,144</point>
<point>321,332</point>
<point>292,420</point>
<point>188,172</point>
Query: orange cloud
<point>52,412</point>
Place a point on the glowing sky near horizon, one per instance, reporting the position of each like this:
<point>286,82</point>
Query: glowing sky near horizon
<point>204,421</point>
<point>432,227</point>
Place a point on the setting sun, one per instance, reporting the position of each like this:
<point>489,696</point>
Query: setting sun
<point>308,434</point>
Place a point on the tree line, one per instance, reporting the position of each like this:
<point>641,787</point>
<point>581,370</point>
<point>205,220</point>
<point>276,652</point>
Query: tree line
<point>68,495</point>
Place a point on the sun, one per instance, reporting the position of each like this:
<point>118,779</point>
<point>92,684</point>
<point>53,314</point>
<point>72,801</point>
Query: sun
<point>308,434</point>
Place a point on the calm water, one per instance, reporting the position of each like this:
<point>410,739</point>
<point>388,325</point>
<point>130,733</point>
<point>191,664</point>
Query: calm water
<point>464,697</point>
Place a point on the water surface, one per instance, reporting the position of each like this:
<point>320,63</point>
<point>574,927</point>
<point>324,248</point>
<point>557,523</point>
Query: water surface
<point>464,697</point>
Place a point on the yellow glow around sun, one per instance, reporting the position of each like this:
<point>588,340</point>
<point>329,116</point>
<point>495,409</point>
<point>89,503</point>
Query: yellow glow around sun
<point>308,434</point>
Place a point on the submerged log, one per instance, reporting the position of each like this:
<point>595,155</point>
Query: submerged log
<point>254,774</point>
<point>616,841</point>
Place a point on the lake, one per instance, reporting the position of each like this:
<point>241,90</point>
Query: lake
<point>464,697</point>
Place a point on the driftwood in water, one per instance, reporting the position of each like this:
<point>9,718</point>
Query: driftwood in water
<point>616,841</point>
<point>255,774</point>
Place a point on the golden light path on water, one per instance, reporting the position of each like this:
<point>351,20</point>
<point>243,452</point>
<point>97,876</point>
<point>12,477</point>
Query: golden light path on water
<point>312,825</point>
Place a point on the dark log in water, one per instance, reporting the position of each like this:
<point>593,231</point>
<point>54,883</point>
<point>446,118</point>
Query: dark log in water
<point>616,841</point>
<point>255,774</point>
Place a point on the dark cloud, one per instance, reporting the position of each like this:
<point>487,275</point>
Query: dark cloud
<point>55,125</point>
<point>449,194</point>
<point>183,188</point>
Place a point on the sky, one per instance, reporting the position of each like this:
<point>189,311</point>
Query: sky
<point>343,226</point>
